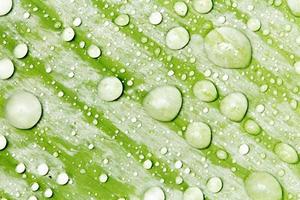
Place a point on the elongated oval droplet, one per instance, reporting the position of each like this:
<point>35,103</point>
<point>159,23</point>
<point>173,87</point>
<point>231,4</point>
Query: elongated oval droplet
<point>228,48</point>
<point>154,193</point>
<point>252,127</point>
<point>177,38</point>
<point>263,186</point>
<point>286,153</point>
<point>163,103</point>
<point>180,8</point>
<point>202,6</point>
<point>193,193</point>
<point>198,135</point>
<point>110,89</point>
<point>294,6</point>
<point>6,68</point>
<point>234,106</point>
<point>5,7</point>
<point>21,50</point>
<point>3,142</point>
<point>68,34</point>
<point>205,90</point>
<point>23,110</point>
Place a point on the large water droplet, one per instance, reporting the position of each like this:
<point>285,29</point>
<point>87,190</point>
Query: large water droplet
<point>263,186</point>
<point>154,193</point>
<point>5,7</point>
<point>205,90</point>
<point>198,135</point>
<point>202,6</point>
<point>163,103</point>
<point>286,153</point>
<point>228,48</point>
<point>294,6</point>
<point>234,106</point>
<point>177,38</point>
<point>110,89</point>
<point>193,193</point>
<point>23,110</point>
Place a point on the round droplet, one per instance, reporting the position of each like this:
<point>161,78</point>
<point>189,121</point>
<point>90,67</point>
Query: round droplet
<point>62,178</point>
<point>294,6</point>
<point>222,155</point>
<point>21,50</point>
<point>234,106</point>
<point>77,21</point>
<point>3,142</point>
<point>103,178</point>
<point>5,6</point>
<point>94,51</point>
<point>110,89</point>
<point>286,153</point>
<point>193,193</point>
<point>147,164</point>
<point>244,149</point>
<point>122,20</point>
<point>263,186</point>
<point>20,168</point>
<point>214,184</point>
<point>297,67</point>
<point>177,38</point>
<point>205,90</point>
<point>198,135</point>
<point>6,68</point>
<point>32,198</point>
<point>252,127</point>
<point>154,193</point>
<point>253,24</point>
<point>202,6</point>
<point>68,34</point>
<point>163,103</point>
<point>228,48</point>
<point>43,169</point>
<point>155,18</point>
<point>23,110</point>
<point>180,8</point>
<point>48,193</point>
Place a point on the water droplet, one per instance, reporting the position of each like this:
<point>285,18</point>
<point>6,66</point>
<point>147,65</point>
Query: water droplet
<point>35,186</point>
<point>77,21</point>
<point>234,106</point>
<point>20,168</point>
<point>110,89</point>
<point>154,193</point>
<point>294,6</point>
<point>263,186</point>
<point>94,51</point>
<point>244,149</point>
<point>62,178</point>
<point>193,193</point>
<point>222,155</point>
<point>297,67</point>
<point>5,7</point>
<point>253,24</point>
<point>205,90</point>
<point>48,193</point>
<point>68,34</point>
<point>3,142</point>
<point>147,164</point>
<point>155,18</point>
<point>286,153</point>
<point>122,20</point>
<point>198,135</point>
<point>103,178</point>
<point>23,110</point>
<point>177,38</point>
<point>6,68</point>
<point>227,47</point>
<point>252,127</point>
<point>180,8</point>
<point>214,184</point>
<point>20,51</point>
<point>163,103</point>
<point>202,6</point>
<point>43,169</point>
